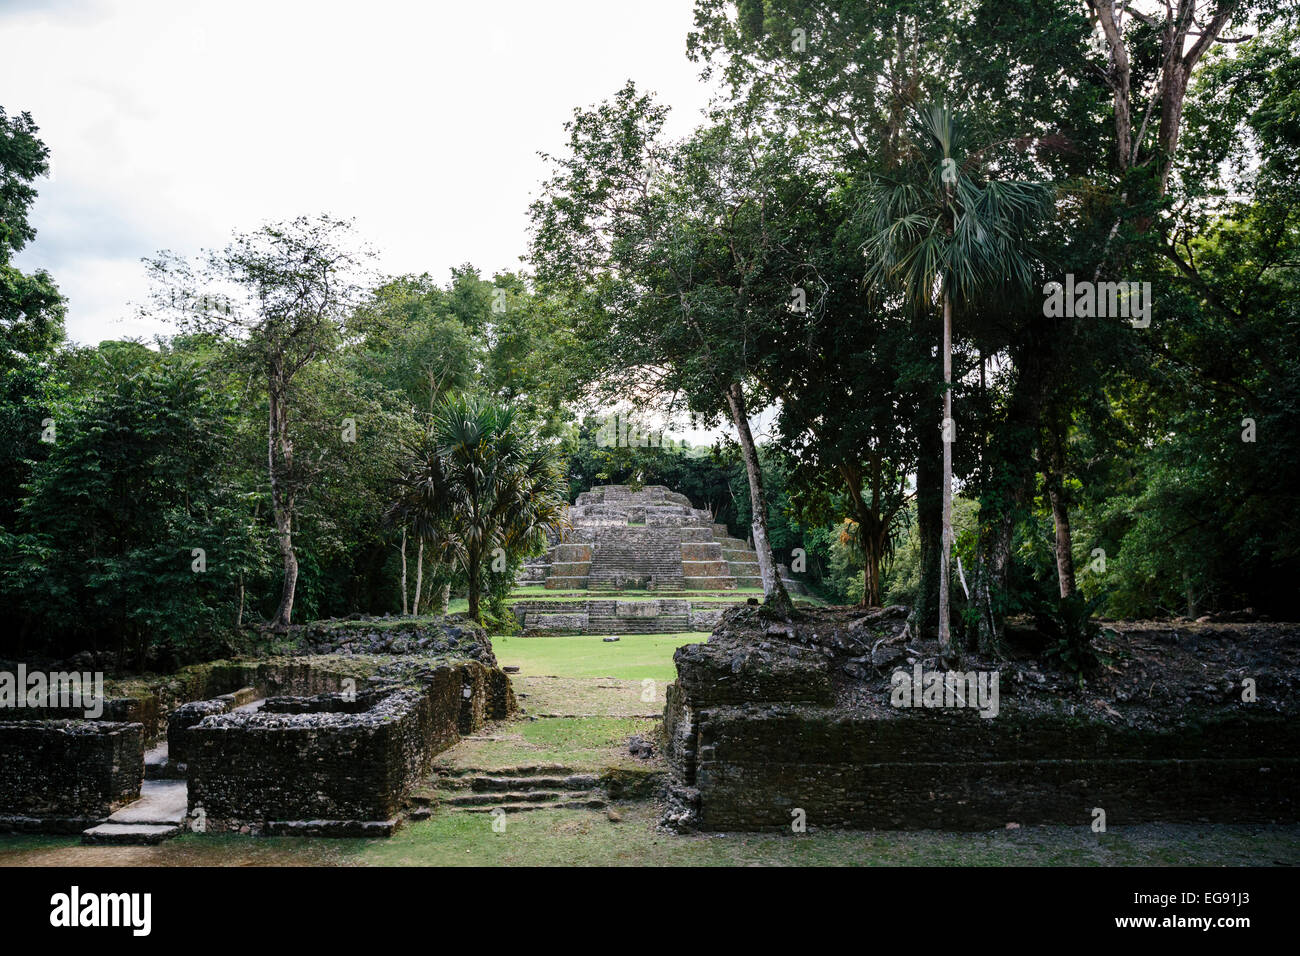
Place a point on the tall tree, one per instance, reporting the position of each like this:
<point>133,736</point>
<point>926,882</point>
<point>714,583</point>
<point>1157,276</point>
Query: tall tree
<point>31,308</point>
<point>477,483</point>
<point>678,256</point>
<point>282,295</point>
<point>130,533</point>
<point>940,227</point>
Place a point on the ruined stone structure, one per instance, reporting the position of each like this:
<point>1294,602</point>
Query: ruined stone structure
<point>330,741</point>
<point>652,539</point>
<point>770,720</point>
<point>611,616</point>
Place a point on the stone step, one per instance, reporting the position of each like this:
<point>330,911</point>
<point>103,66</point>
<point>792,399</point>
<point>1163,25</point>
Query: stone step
<point>565,583</point>
<point>710,583</point>
<point>590,803</point>
<point>161,803</point>
<point>496,799</point>
<point>155,762</point>
<point>664,627</point>
<point>493,783</point>
<point>129,834</point>
<point>444,775</point>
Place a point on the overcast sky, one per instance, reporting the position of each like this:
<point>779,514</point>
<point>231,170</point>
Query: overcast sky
<point>171,124</point>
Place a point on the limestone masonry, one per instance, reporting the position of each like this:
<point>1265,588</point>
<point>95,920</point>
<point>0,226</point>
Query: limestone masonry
<point>652,539</point>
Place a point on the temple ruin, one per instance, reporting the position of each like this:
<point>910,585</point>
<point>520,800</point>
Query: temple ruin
<point>650,539</point>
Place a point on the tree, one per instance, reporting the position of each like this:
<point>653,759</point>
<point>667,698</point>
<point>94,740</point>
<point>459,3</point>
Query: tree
<point>678,260</point>
<point>283,295</point>
<point>476,484</point>
<point>31,308</point>
<point>1182,38</point>
<point>937,230</point>
<point>130,532</point>
<point>852,376</point>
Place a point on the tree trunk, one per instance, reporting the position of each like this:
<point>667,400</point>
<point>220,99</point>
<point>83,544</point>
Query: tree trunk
<point>929,526</point>
<point>282,497</point>
<point>1053,462</point>
<point>419,578</point>
<point>405,604</point>
<point>472,572</point>
<point>773,588</point>
<point>239,614</point>
<point>871,575</point>
<point>1061,518</point>
<point>284,534</point>
<point>1010,469</point>
<point>945,548</point>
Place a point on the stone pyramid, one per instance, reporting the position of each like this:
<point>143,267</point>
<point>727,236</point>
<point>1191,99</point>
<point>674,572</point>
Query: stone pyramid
<point>651,538</point>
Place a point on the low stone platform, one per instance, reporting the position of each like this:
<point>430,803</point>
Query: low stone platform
<point>67,773</point>
<point>613,616</point>
<point>770,721</point>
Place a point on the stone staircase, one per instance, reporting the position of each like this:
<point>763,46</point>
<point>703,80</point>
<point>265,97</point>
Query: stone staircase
<point>570,566</point>
<point>158,815</point>
<point>645,558</point>
<point>705,568</point>
<point>649,539</point>
<point>740,558</point>
<point>634,617</point>
<point>512,790</point>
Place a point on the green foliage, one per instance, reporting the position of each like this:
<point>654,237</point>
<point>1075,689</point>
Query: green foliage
<point>31,308</point>
<point>1071,633</point>
<point>104,548</point>
<point>664,278</point>
<point>479,490</point>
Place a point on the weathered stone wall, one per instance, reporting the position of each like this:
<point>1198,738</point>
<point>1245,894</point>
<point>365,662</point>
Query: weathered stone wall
<point>612,616</point>
<point>760,725</point>
<point>152,706</point>
<point>143,710</point>
<point>64,774</point>
<point>753,765</point>
<point>319,762</point>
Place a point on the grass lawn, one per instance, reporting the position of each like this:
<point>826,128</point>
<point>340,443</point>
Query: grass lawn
<point>632,657</point>
<point>577,837</point>
<point>579,743</point>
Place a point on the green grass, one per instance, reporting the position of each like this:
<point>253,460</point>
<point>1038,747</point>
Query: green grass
<point>632,657</point>
<point>589,697</point>
<point>577,838</point>
<point>580,743</point>
<point>568,838</point>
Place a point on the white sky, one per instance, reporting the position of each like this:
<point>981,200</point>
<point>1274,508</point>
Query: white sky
<point>172,124</point>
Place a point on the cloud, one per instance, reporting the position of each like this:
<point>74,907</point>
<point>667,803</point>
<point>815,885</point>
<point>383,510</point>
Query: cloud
<point>172,125</point>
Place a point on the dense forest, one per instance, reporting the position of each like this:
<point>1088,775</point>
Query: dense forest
<point>1020,302</point>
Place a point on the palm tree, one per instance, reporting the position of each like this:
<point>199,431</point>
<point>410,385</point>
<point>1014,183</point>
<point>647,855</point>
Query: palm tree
<point>939,228</point>
<point>477,483</point>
